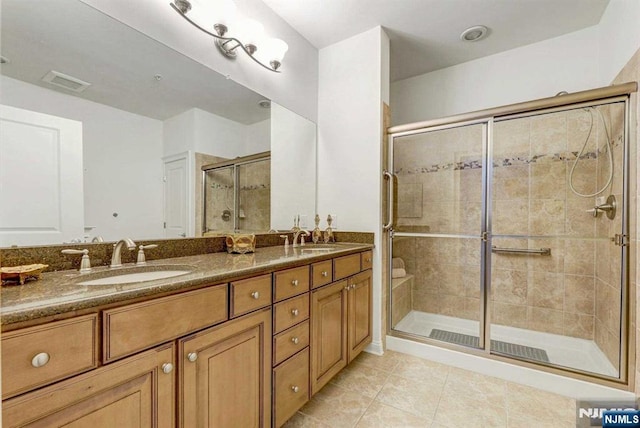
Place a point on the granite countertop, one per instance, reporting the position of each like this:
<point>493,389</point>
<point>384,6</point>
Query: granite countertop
<point>59,292</point>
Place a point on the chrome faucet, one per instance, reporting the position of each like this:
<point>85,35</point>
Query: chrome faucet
<point>302,233</point>
<point>116,260</point>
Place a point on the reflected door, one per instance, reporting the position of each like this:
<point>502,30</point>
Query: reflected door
<point>436,245</point>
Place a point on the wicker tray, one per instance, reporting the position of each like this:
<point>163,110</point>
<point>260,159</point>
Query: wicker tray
<point>21,273</point>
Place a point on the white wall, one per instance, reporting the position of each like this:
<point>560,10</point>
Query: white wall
<point>619,37</point>
<point>293,168</point>
<point>584,59</point>
<point>202,132</point>
<point>295,88</point>
<point>122,160</point>
<point>565,63</point>
<point>350,98</point>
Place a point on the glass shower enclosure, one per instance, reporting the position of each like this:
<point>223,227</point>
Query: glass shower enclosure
<point>509,236</point>
<point>237,196</point>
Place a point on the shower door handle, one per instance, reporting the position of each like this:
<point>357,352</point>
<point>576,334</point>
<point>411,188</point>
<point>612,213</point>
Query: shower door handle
<point>392,180</point>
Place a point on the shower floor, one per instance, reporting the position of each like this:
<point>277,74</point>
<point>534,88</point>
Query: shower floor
<point>562,350</point>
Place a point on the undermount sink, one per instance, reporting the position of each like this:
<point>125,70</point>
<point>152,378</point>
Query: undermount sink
<point>135,274</point>
<point>318,248</point>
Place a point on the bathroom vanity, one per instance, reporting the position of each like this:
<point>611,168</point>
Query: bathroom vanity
<point>240,340</point>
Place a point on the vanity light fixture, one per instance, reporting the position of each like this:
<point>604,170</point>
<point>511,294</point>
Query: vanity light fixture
<point>261,50</point>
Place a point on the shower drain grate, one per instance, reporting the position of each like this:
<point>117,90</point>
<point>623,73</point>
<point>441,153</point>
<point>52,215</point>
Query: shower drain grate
<point>506,348</point>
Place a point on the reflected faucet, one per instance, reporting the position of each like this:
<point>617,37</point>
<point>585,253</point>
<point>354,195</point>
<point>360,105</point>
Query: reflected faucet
<point>116,260</point>
<point>302,233</point>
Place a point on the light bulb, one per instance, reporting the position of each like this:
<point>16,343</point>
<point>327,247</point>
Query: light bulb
<point>249,32</point>
<point>275,49</point>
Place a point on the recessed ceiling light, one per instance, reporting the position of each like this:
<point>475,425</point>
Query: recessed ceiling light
<point>264,103</point>
<point>475,33</point>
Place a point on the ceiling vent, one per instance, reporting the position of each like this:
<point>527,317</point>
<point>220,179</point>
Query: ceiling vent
<point>64,81</point>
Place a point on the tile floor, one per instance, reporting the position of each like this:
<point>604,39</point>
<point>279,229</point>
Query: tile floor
<point>398,390</point>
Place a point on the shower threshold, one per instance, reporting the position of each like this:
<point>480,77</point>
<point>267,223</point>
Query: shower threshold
<point>563,351</point>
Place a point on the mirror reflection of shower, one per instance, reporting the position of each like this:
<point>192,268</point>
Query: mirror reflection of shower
<point>237,195</point>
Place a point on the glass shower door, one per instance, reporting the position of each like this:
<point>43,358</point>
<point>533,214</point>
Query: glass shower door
<point>556,273</point>
<point>437,241</point>
<point>219,200</point>
<point>254,196</point>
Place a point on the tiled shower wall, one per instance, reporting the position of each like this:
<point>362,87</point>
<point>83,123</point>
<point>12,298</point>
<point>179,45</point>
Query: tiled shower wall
<point>254,195</point>
<point>440,191</point>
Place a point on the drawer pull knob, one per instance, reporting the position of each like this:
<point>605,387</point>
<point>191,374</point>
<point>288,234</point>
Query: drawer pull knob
<point>167,368</point>
<point>295,340</point>
<point>192,356</point>
<point>368,260</point>
<point>40,360</point>
<point>325,273</point>
<point>295,388</point>
<point>255,295</point>
<point>294,312</point>
<point>294,282</point>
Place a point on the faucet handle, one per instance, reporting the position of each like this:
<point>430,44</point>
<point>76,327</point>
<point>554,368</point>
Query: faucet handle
<point>286,240</point>
<point>85,263</point>
<point>142,260</point>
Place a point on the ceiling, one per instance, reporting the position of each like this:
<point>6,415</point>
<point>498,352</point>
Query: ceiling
<point>121,63</point>
<point>425,34</point>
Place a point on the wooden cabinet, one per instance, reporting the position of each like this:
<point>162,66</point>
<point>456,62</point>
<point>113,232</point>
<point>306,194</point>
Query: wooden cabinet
<point>40,355</point>
<point>244,354</point>
<point>225,374</point>
<point>131,328</point>
<point>360,322</point>
<point>290,387</point>
<point>136,392</point>
<point>341,325</point>
<point>328,333</point>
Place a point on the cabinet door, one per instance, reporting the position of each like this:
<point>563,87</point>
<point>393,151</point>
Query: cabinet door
<point>360,308</point>
<point>225,374</point>
<point>328,333</point>
<point>135,392</point>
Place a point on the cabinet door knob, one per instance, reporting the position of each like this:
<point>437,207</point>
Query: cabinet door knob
<point>167,368</point>
<point>347,287</point>
<point>192,356</point>
<point>295,388</point>
<point>294,312</point>
<point>255,295</point>
<point>325,273</point>
<point>294,282</point>
<point>295,340</point>
<point>368,260</point>
<point>40,359</point>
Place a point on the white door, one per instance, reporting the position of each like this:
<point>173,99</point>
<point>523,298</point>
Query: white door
<point>41,191</point>
<point>175,198</point>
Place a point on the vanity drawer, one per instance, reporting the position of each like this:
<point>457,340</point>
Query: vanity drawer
<point>290,282</point>
<point>39,355</point>
<point>346,266</point>
<point>366,260</point>
<point>142,325</point>
<point>291,386</point>
<point>250,294</point>
<point>290,341</point>
<point>290,312</point>
<point>321,273</point>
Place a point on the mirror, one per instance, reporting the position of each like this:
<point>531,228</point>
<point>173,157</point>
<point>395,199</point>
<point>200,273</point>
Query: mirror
<point>148,118</point>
